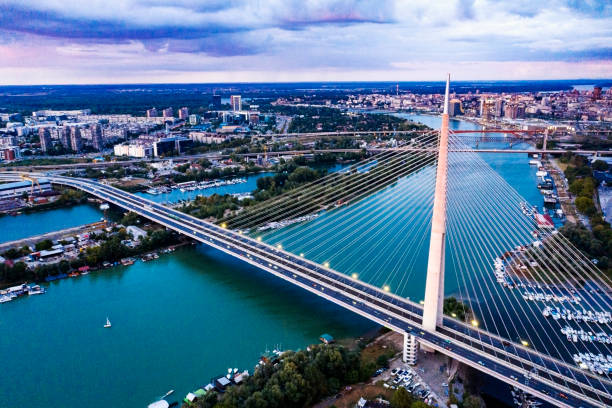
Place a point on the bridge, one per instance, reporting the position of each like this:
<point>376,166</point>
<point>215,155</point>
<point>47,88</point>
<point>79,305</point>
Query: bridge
<point>540,372</point>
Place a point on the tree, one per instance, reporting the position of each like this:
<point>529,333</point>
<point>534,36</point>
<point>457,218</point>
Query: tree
<point>44,245</point>
<point>131,218</point>
<point>382,361</point>
<point>419,404</point>
<point>401,398</point>
<point>585,205</point>
<point>600,165</point>
<point>473,401</point>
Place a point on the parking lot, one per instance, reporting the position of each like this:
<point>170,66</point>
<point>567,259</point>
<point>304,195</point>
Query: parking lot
<point>417,379</point>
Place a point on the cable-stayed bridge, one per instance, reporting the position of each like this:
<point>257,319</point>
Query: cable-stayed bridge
<point>363,236</point>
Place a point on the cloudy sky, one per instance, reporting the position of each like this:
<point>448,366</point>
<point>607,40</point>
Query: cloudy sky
<point>142,41</point>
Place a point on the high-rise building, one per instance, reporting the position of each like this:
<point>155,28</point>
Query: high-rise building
<point>499,108</point>
<point>45,139</point>
<point>76,142</point>
<point>183,113</point>
<point>597,92</point>
<point>168,113</point>
<point>454,107</point>
<point>236,102</point>
<point>65,137</point>
<point>194,119</point>
<point>96,137</point>
<point>152,113</point>
<point>216,101</point>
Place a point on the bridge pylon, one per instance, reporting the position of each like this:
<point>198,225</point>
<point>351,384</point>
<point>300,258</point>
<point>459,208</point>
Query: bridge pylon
<point>434,287</point>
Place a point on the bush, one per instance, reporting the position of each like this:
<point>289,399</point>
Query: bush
<point>401,398</point>
<point>44,245</point>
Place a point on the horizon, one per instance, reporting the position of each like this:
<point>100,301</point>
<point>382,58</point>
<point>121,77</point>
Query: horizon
<point>583,81</point>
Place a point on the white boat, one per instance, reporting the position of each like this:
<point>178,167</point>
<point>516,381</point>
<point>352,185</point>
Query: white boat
<point>108,323</point>
<point>534,162</point>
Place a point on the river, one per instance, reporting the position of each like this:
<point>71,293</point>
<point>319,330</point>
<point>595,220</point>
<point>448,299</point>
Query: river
<point>176,321</point>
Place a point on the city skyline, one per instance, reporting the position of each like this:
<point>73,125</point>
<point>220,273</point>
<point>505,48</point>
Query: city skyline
<point>181,41</point>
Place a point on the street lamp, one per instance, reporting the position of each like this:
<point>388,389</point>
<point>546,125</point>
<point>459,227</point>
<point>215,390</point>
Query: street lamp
<point>475,323</point>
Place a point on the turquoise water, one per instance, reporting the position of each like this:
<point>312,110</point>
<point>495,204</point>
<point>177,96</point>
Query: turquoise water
<point>188,316</point>
<point>26,225</point>
<point>176,322</point>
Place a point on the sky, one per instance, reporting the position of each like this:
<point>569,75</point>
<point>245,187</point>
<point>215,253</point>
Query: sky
<point>190,41</point>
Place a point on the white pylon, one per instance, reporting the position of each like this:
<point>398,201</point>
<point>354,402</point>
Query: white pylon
<point>434,288</point>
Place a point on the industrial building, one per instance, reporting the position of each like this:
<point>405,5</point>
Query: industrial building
<point>19,188</point>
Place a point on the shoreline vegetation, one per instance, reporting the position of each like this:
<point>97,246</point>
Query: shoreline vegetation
<point>595,242</point>
<point>323,373</point>
<point>107,248</point>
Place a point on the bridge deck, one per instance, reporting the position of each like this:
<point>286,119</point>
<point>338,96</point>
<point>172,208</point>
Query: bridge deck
<point>556,381</point>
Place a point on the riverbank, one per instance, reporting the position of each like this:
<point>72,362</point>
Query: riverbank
<point>102,246</point>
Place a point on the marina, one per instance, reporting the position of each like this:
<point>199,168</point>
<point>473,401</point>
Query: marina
<point>9,294</point>
<point>583,315</point>
<point>596,363</point>
<point>574,335</point>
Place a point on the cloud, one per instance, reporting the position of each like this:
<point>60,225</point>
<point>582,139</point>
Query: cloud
<point>298,38</point>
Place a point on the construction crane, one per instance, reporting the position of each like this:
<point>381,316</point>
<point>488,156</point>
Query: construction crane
<point>32,180</point>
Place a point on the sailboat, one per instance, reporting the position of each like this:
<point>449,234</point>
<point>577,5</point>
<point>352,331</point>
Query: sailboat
<point>108,323</point>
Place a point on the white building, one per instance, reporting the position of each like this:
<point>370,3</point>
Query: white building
<point>133,150</point>
<point>137,233</point>
<point>207,137</point>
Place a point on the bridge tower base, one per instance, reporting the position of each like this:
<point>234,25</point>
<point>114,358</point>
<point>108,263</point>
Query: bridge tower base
<point>411,349</point>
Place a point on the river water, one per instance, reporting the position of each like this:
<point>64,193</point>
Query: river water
<point>177,321</point>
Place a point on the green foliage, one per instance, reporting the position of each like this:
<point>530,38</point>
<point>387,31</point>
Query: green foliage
<point>473,401</point>
<point>211,206</point>
<point>14,253</point>
<point>401,398</point>
<point>300,379</point>
<point>322,119</point>
<point>600,165</point>
<point>43,245</point>
<point>419,404</point>
<point>383,361</point>
<point>110,249</point>
<point>130,218</point>
<point>585,205</point>
<point>597,243</point>
<point>460,309</point>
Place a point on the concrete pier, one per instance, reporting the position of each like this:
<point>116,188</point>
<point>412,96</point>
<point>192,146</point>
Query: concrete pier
<point>411,349</point>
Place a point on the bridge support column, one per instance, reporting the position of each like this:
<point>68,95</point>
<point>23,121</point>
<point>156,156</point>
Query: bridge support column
<point>434,287</point>
<point>411,349</point>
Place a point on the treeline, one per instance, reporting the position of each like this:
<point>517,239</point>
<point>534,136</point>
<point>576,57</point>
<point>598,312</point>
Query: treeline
<point>339,189</point>
<point>289,175</point>
<point>321,119</point>
<point>111,249</point>
<point>300,379</point>
<point>596,243</point>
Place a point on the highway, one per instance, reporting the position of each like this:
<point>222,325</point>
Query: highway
<point>557,382</point>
